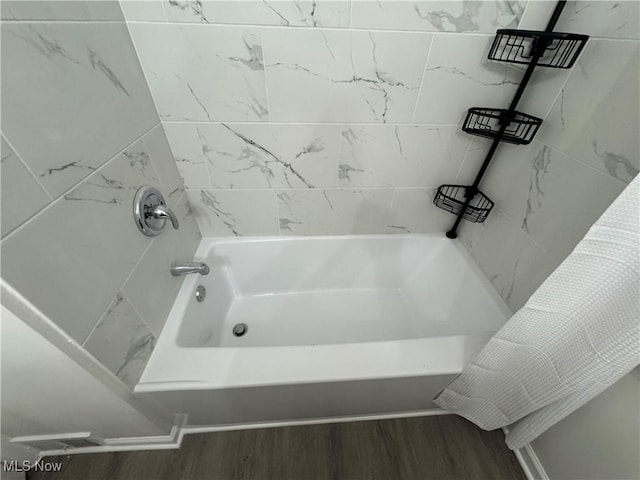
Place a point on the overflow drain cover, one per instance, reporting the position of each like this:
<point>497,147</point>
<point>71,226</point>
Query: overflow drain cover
<point>240,329</point>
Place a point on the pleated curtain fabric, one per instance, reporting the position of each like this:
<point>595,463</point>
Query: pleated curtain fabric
<point>578,334</point>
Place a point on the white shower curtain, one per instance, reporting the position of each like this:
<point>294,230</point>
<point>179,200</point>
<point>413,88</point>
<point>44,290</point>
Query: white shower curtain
<point>578,334</point>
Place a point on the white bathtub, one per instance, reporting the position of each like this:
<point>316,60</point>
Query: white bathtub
<point>337,326</point>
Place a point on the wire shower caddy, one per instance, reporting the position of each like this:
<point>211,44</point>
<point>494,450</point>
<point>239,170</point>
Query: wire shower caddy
<point>525,47</point>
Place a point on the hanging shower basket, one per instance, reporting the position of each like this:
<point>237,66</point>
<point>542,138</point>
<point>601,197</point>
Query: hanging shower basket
<point>487,122</point>
<point>557,50</point>
<point>453,197</point>
<point>527,47</point>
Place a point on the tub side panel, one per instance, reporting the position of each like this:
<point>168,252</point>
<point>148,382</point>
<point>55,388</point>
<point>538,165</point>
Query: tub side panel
<point>304,401</point>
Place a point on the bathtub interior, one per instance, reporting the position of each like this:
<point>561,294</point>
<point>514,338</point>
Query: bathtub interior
<point>335,290</point>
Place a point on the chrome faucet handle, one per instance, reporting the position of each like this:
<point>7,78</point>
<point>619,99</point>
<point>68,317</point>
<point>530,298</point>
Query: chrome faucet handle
<point>161,211</point>
<point>150,211</point>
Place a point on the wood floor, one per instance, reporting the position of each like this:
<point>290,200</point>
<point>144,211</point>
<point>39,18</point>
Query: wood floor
<point>439,447</point>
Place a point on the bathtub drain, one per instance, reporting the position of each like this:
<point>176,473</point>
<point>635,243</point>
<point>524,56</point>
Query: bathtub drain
<point>240,329</point>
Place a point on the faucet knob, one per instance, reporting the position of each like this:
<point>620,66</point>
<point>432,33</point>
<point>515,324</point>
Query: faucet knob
<point>150,211</point>
<point>161,211</point>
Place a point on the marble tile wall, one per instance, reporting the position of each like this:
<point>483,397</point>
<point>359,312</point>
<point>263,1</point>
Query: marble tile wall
<point>549,193</point>
<point>80,134</point>
<point>338,117</point>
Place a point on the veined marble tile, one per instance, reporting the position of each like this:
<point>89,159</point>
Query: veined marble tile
<point>203,73</point>
<point>596,117</point>
<point>413,211</point>
<point>22,196</point>
<point>105,10</point>
<point>599,18</point>
<point>121,341</point>
<point>157,146</point>
<point>483,16</point>
<point>188,155</point>
<point>75,10</point>
<point>144,10</point>
<point>400,155</point>
<point>83,262</point>
<point>260,156</point>
<point>155,303</point>
<point>222,213</point>
<point>518,267</point>
<point>289,13</point>
<point>44,10</point>
<point>458,76</point>
<point>343,76</point>
<point>552,197</point>
<point>334,211</point>
<point>93,80</point>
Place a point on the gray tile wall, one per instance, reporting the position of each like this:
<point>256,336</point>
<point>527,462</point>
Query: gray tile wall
<point>80,134</point>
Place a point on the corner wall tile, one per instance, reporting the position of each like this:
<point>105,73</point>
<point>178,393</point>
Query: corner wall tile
<point>157,146</point>
<point>93,80</point>
<point>188,154</point>
<point>609,19</point>
<point>22,197</point>
<point>334,211</point>
<point>289,13</point>
<point>400,155</point>
<point>121,341</point>
<point>143,10</point>
<point>343,76</point>
<point>45,10</point>
<point>413,211</point>
<point>596,117</point>
<point>221,213</point>
<point>105,10</point>
<point>518,267</point>
<point>151,288</point>
<point>483,16</point>
<point>202,72</point>
<point>82,262</point>
<point>553,198</point>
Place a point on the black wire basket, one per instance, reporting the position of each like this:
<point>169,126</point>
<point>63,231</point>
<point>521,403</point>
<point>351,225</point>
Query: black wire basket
<point>558,50</point>
<point>487,122</point>
<point>452,197</point>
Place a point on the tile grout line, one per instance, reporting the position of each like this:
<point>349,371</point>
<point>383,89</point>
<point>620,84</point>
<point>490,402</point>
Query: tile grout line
<point>119,291</point>
<point>301,27</point>
<point>424,72</point>
<point>75,185</point>
<point>278,222</point>
<point>351,14</point>
<point>137,312</point>
<point>21,160</point>
<point>583,163</point>
<point>464,159</point>
<point>342,124</point>
<point>142,69</point>
<point>264,70</point>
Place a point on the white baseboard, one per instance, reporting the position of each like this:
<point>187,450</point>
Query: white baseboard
<point>315,421</point>
<point>179,430</point>
<point>531,464</point>
<point>529,461</point>
<point>162,442</point>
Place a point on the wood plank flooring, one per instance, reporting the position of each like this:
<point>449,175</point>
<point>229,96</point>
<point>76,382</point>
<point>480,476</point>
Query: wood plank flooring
<point>419,448</point>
